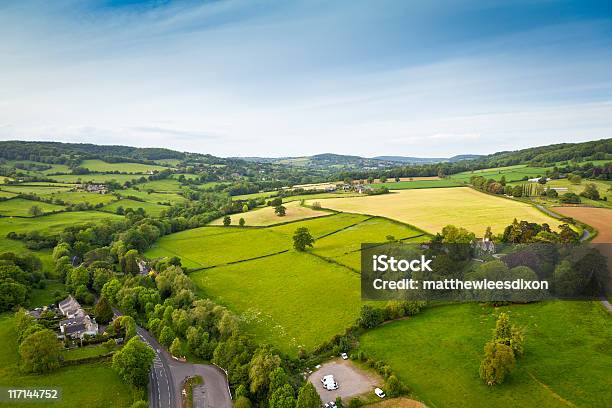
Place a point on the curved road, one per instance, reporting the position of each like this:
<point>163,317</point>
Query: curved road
<point>167,375</point>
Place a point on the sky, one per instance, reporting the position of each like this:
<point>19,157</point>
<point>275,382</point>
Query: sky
<point>294,78</point>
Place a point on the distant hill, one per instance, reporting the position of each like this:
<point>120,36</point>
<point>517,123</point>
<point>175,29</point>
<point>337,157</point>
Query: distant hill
<point>427,160</point>
<point>327,161</point>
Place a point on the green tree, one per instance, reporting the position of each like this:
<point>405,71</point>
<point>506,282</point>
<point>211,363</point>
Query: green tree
<point>129,263</point>
<point>498,362</point>
<point>140,404</point>
<point>508,334</point>
<point>383,179</point>
<point>166,336</point>
<point>227,220</point>
<point>103,311</point>
<point>280,210</point>
<point>35,211</point>
<point>590,192</point>
<point>133,362</point>
<point>176,349</point>
<point>260,367</point>
<point>40,352</point>
<point>302,239</point>
<point>308,397</point>
<point>245,208</point>
<point>241,222</point>
<point>282,398</point>
<point>243,402</point>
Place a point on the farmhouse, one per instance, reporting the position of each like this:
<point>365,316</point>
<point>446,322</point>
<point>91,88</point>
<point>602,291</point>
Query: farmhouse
<point>92,188</point>
<point>77,323</point>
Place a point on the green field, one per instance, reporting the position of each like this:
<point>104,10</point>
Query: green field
<point>404,185</point>
<point>290,307</point>
<point>214,245</point>
<point>344,246</point>
<point>75,197</point>
<point>103,167</point>
<point>38,189</point>
<point>93,385</point>
<point>273,294</point>
<point>164,185</point>
<point>150,208</point>
<point>153,197</point>
<point>6,194</point>
<point>568,355</point>
<point>20,207</point>
<point>95,178</point>
<point>512,173</point>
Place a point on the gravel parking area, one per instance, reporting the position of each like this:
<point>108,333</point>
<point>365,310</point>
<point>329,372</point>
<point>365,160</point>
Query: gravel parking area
<point>352,380</point>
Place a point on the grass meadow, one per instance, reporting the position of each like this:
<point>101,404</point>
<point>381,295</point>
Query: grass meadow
<point>404,185</point>
<point>433,209</point>
<point>150,208</point>
<point>512,173</point>
<point>95,178</point>
<point>75,197</point>
<point>274,295</point>
<point>40,190</point>
<point>20,207</point>
<point>103,167</point>
<point>153,197</point>
<point>437,354</point>
<point>266,216</point>
<point>290,300</point>
<point>164,185</point>
<point>93,385</point>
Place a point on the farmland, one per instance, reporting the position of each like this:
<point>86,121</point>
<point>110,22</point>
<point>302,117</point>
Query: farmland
<point>100,166</point>
<point>604,188</point>
<point>511,173</point>
<point>150,208</point>
<point>271,298</point>
<point>599,218</point>
<point>75,197</point>
<point>152,197</point>
<point>208,246</point>
<point>404,185</point>
<point>19,207</point>
<point>95,178</point>
<point>432,209</point>
<point>42,190</point>
<point>266,216</point>
<point>266,294</point>
<point>446,344</point>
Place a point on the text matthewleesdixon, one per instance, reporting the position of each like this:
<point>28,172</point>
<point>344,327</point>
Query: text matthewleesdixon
<point>385,263</point>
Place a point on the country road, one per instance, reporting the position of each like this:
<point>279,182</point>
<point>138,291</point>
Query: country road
<point>167,375</point>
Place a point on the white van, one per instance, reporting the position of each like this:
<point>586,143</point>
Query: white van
<point>379,393</point>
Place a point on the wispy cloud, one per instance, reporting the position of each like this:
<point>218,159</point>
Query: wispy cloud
<point>290,78</point>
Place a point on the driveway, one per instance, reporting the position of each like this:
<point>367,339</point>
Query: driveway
<point>352,380</point>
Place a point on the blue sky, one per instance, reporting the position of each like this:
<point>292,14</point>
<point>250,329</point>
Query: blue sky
<point>246,78</point>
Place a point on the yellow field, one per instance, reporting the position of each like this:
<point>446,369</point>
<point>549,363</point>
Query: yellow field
<point>266,216</point>
<point>432,209</point>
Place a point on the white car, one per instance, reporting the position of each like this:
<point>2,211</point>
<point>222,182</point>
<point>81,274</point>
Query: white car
<point>344,356</point>
<point>331,404</point>
<point>329,383</point>
<point>379,393</point>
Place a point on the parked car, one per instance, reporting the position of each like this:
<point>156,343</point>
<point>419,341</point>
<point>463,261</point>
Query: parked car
<point>344,356</point>
<point>379,393</point>
<point>331,404</point>
<point>329,383</point>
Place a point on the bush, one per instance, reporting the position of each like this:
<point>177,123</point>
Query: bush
<point>497,363</point>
